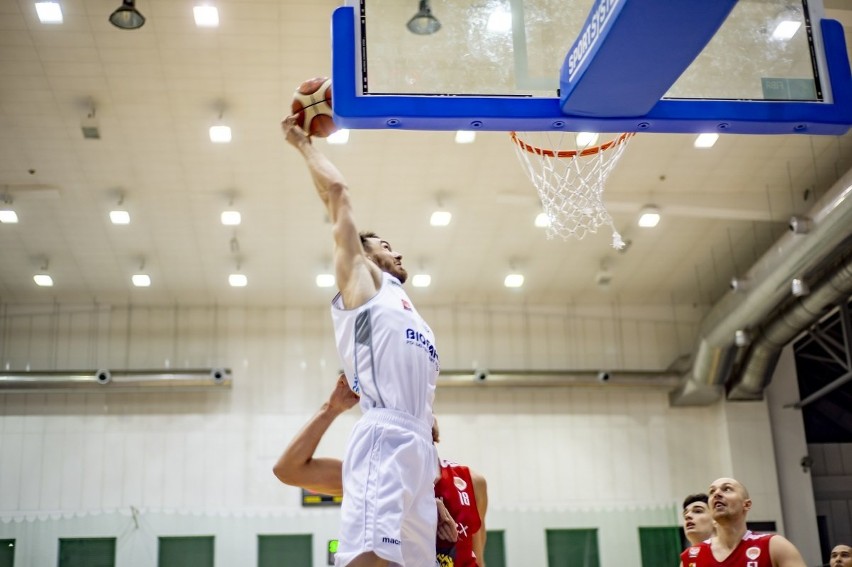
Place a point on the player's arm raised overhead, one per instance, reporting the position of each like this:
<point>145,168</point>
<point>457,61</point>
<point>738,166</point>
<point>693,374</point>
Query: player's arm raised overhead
<point>357,278</point>
<point>297,465</point>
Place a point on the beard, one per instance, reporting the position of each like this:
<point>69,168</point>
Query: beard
<point>388,264</point>
<point>398,272</point>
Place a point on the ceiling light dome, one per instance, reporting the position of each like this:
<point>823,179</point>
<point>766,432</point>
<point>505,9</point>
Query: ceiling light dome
<point>126,16</point>
<point>423,22</point>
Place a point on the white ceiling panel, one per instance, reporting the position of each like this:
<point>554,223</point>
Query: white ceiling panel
<point>157,90</point>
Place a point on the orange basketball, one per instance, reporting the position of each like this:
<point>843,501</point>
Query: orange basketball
<point>312,107</point>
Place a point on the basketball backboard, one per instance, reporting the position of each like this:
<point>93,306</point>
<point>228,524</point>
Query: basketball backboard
<point>747,66</point>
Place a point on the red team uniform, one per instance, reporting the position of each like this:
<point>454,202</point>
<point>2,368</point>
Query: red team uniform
<point>455,488</point>
<point>752,551</point>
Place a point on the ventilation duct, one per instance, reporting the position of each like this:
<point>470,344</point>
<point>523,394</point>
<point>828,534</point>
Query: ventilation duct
<point>761,359</point>
<point>104,380</point>
<point>794,255</point>
<point>546,378</point>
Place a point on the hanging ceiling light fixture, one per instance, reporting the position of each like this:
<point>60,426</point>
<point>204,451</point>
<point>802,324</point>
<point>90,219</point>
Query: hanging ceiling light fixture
<point>126,16</point>
<point>423,22</point>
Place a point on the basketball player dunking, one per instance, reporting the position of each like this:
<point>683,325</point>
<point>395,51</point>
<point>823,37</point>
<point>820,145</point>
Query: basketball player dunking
<point>388,516</point>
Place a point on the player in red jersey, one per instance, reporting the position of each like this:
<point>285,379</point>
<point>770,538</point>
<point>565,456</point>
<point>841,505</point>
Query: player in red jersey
<point>461,493</point>
<point>734,545</point>
<point>697,521</point>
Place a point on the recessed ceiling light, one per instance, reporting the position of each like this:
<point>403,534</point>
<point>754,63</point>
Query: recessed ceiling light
<point>231,218</point>
<point>141,280</point>
<point>119,216</point>
<point>542,220</point>
<point>786,30</point>
<point>206,16</point>
<point>220,134</point>
<point>49,12</point>
<point>465,136</point>
<point>421,280</point>
<point>325,280</point>
<point>650,217</point>
<point>340,137</point>
<point>43,280</point>
<point>706,140</point>
<point>8,216</point>
<point>585,139</point>
<point>514,280</point>
<point>499,21</point>
<point>441,218</point>
<point>238,280</point>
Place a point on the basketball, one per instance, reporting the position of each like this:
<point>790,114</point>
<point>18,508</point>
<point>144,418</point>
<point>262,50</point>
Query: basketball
<point>312,107</point>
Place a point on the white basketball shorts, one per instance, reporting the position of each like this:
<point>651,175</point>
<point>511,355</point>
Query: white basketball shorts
<point>388,506</point>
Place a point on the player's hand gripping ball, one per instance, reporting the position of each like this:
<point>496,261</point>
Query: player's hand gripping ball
<point>312,107</point>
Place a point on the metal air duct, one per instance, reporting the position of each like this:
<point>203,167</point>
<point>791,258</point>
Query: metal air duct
<point>104,380</point>
<point>792,256</point>
<point>761,359</point>
<point>561,378</point>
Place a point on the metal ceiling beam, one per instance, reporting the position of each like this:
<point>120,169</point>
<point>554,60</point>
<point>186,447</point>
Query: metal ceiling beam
<point>826,344</point>
<point>828,388</point>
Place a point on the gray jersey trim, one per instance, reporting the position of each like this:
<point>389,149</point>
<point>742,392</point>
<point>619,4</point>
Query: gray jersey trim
<point>364,336</point>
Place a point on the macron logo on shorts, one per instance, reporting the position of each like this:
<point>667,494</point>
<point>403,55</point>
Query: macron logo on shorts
<point>391,540</point>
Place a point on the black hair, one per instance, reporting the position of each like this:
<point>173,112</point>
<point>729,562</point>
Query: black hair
<point>693,498</point>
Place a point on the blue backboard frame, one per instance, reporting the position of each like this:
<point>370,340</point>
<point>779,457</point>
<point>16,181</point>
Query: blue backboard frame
<point>498,113</point>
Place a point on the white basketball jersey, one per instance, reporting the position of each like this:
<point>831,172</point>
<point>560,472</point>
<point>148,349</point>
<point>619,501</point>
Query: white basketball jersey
<point>388,352</point>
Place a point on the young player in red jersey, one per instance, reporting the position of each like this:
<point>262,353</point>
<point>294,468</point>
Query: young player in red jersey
<point>734,545</point>
<point>697,520</point>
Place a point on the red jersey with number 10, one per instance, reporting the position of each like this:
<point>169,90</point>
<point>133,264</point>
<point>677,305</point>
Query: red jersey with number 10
<point>455,488</point>
<point>752,551</point>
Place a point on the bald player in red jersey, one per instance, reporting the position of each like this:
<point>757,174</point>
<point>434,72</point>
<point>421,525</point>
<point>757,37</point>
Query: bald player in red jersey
<point>734,545</point>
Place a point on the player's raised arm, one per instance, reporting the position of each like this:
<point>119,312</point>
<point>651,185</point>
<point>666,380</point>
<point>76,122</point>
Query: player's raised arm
<point>297,465</point>
<point>358,279</point>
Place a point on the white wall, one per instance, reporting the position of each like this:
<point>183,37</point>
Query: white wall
<point>832,473</point>
<point>553,457</point>
<point>797,495</point>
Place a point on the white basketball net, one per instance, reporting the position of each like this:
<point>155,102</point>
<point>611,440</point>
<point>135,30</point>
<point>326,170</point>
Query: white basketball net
<point>570,182</point>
